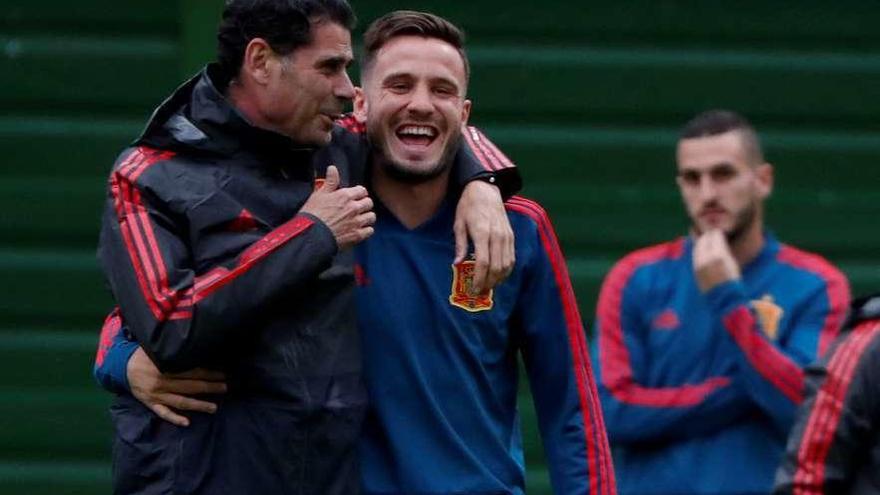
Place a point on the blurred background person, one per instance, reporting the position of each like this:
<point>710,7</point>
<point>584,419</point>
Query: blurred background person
<point>834,447</point>
<point>701,341</point>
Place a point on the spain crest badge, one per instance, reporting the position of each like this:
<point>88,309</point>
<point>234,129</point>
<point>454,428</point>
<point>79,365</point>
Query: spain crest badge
<point>769,313</point>
<point>462,294</point>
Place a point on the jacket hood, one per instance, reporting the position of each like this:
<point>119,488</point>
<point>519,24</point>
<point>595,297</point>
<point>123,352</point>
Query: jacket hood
<point>864,308</point>
<point>197,117</point>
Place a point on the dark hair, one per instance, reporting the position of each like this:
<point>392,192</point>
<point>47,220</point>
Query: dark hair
<point>411,23</point>
<point>284,24</point>
<point>715,122</point>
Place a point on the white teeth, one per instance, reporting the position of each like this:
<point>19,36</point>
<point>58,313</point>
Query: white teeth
<point>417,130</point>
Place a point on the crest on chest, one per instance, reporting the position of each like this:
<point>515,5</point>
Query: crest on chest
<point>769,314</point>
<point>462,293</point>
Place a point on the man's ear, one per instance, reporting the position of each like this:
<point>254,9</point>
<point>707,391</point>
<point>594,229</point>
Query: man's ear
<point>465,112</point>
<point>360,105</point>
<point>764,177</point>
<point>259,61</point>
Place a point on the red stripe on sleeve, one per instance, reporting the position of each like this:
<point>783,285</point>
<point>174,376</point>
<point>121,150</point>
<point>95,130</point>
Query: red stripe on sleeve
<point>503,160</point>
<point>500,159</point>
<point>772,364</point>
<point>139,238</point>
<point>836,287</point>
<point>617,374</point>
<point>111,327</point>
<point>472,136</point>
<point>214,280</point>
<point>825,415</point>
<point>119,192</point>
<point>143,248</point>
<point>598,452</point>
<point>172,298</point>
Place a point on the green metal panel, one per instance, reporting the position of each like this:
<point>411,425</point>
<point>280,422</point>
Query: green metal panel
<point>585,97</point>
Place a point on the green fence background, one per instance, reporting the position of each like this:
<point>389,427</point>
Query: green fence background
<point>586,97</point>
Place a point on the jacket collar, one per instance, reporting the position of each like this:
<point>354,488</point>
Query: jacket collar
<point>199,118</point>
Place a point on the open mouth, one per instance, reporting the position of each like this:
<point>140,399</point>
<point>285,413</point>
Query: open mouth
<point>416,135</point>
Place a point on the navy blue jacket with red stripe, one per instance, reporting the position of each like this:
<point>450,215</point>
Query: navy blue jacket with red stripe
<point>441,369</point>
<point>212,265</point>
<point>699,390</point>
<point>834,447</point>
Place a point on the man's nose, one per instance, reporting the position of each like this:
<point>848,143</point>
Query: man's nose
<point>708,189</point>
<point>420,101</point>
<point>344,88</point>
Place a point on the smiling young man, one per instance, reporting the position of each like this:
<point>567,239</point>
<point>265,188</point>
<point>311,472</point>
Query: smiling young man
<point>441,371</point>
<point>222,253</point>
<point>440,359</point>
<point>701,342</point>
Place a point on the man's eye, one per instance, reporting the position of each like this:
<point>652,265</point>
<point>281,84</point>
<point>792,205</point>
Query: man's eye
<point>723,174</point>
<point>690,178</point>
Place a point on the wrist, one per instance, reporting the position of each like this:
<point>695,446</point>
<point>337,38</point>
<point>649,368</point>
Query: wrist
<point>727,296</point>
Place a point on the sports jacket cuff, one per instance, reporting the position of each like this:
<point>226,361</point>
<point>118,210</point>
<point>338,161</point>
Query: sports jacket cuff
<point>324,238</point>
<point>113,373</point>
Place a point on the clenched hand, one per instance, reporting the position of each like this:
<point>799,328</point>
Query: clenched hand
<point>347,211</point>
<point>713,262</point>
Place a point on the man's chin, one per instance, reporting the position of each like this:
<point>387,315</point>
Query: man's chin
<point>414,172</point>
<point>317,139</point>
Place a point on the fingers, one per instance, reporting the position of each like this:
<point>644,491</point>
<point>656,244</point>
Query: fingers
<point>183,403</point>
<point>481,261</point>
<point>363,233</point>
<point>362,205</point>
<point>496,263</point>
<point>200,374</point>
<point>461,241</point>
<point>509,252</point>
<point>331,180</point>
<point>194,387</point>
<point>168,415</point>
<point>366,219</point>
<point>713,262</point>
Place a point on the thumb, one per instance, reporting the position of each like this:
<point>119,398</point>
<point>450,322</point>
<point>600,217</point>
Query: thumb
<point>331,180</point>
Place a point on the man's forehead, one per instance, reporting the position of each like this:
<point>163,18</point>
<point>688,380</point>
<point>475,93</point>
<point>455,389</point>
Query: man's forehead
<point>328,40</point>
<point>709,151</point>
<point>398,53</point>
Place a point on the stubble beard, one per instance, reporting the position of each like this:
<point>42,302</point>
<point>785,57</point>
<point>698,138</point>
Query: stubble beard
<point>743,221</point>
<point>401,173</point>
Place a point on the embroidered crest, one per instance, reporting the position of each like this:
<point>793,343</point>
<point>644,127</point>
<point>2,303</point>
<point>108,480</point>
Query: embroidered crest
<point>769,313</point>
<point>462,294</point>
